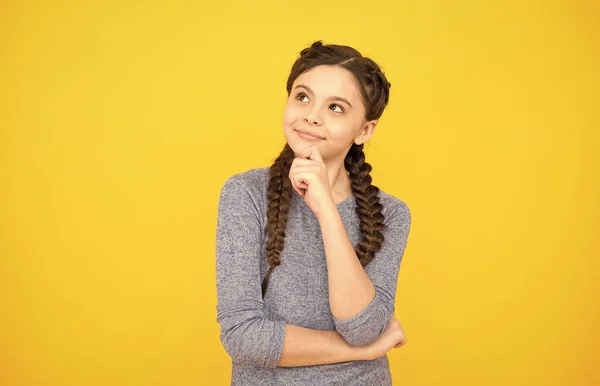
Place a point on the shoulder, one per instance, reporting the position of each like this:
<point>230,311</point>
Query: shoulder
<point>395,211</point>
<point>246,189</point>
<point>253,181</point>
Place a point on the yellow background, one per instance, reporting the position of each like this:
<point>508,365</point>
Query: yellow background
<point>119,122</point>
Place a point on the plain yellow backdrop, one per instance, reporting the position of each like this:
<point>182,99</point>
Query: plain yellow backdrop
<point>120,121</point>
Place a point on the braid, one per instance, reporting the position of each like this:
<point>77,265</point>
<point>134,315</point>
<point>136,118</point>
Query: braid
<point>375,91</point>
<point>367,204</point>
<point>279,195</point>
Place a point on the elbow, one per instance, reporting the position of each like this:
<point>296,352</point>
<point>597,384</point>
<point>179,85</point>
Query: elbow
<point>234,346</point>
<point>358,341</point>
<point>361,337</point>
<point>255,341</point>
<point>365,327</point>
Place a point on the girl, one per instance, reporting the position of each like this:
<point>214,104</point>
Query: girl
<point>324,242</point>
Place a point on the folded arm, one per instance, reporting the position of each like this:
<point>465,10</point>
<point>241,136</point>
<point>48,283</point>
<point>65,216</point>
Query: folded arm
<point>362,298</point>
<point>247,336</point>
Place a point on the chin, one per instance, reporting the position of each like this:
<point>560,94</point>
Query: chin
<point>295,148</point>
<point>297,144</point>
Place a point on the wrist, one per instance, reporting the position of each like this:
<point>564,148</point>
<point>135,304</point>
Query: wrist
<point>354,353</point>
<point>361,353</point>
<point>345,351</point>
<point>328,214</point>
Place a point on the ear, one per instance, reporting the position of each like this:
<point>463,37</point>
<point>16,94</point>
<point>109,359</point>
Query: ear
<point>366,132</point>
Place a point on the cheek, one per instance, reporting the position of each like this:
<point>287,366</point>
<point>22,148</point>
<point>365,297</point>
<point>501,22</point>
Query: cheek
<point>288,115</point>
<point>339,130</point>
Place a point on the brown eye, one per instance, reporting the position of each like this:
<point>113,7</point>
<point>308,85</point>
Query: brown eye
<point>338,106</point>
<point>300,96</point>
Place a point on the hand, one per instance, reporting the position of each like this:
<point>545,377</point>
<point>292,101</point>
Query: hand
<point>392,337</point>
<point>309,178</point>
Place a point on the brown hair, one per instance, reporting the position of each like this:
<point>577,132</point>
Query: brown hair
<point>374,90</point>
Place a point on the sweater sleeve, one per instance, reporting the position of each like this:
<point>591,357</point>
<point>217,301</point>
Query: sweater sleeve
<point>366,326</point>
<point>247,336</point>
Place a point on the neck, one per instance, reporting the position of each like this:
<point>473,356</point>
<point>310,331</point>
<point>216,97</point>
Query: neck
<point>339,181</point>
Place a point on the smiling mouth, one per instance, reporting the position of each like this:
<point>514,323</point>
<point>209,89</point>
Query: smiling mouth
<point>304,134</point>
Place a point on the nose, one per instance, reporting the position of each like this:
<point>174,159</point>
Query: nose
<point>312,117</point>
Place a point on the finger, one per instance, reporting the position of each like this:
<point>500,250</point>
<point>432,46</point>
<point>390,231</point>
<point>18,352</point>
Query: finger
<point>303,162</point>
<point>310,168</point>
<point>315,154</point>
<point>297,187</point>
<point>302,179</point>
<point>400,344</point>
<point>301,184</point>
<point>311,171</point>
<point>314,169</point>
<point>308,153</point>
<point>304,153</point>
<point>300,188</point>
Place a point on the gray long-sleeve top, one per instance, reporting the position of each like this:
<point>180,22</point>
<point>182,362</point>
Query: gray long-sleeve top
<point>253,328</point>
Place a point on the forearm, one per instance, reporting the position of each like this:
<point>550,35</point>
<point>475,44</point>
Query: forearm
<point>305,347</point>
<point>350,288</point>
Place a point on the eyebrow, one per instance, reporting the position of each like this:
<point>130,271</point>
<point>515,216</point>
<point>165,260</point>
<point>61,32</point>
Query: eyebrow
<point>337,98</point>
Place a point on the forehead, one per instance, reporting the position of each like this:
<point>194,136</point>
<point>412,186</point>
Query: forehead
<point>327,81</point>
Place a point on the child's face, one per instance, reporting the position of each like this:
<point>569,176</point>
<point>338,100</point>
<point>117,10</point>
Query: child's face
<point>313,106</point>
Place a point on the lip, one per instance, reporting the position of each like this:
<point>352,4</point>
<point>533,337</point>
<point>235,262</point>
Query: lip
<point>307,135</point>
